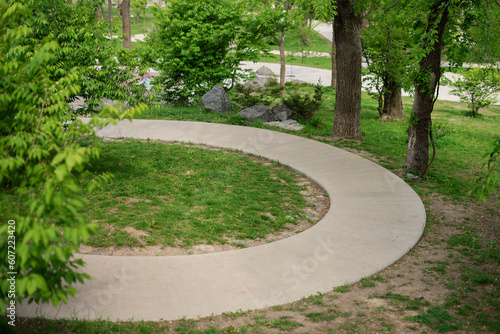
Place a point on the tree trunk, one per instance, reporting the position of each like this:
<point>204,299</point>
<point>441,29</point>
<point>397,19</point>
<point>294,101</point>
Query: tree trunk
<point>103,14</point>
<point>347,25</point>
<point>281,44</point>
<point>125,10</point>
<point>417,157</point>
<point>393,103</point>
<point>138,16</point>
<point>110,11</point>
<point>334,60</point>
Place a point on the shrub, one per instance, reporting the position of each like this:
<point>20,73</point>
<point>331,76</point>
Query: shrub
<point>303,104</point>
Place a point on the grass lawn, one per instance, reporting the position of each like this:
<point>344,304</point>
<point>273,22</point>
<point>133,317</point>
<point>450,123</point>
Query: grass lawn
<point>185,195</point>
<point>292,43</point>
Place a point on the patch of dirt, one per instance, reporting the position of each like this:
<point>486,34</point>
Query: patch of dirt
<point>429,276</point>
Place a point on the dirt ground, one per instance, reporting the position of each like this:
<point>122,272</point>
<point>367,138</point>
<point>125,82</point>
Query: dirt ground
<point>427,281</point>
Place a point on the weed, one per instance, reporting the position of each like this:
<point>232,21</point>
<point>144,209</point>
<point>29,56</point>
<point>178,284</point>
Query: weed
<point>235,315</point>
<point>283,323</point>
<point>316,299</point>
<point>438,319</point>
<point>366,283</point>
<point>321,316</point>
<point>342,288</point>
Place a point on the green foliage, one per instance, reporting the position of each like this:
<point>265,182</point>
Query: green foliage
<point>138,6</point>
<point>303,105</point>
<point>438,319</point>
<point>243,97</point>
<point>41,163</point>
<point>385,47</point>
<point>477,87</point>
<point>200,44</point>
<point>84,44</point>
<point>487,183</point>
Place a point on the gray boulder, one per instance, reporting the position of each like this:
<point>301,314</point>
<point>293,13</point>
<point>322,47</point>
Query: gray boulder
<point>216,100</point>
<point>282,112</point>
<point>265,71</point>
<point>259,111</point>
<point>258,82</point>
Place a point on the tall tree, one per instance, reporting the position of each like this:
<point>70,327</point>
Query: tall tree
<point>453,19</point>
<point>417,157</point>
<point>347,24</point>
<point>127,34</point>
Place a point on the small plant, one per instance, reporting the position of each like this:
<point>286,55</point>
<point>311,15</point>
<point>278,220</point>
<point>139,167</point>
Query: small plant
<point>477,87</point>
<point>245,97</point>
<point>366,283</point>
<point>487,183</point>
<point>304,105</point>
<point>342,288</point>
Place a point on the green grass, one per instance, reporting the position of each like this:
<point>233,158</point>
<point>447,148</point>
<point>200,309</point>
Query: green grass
<point>460,141</point>
<point>292,42</point>
<point>324,63</point>
<point>182,196</point>
<point>145,24</point>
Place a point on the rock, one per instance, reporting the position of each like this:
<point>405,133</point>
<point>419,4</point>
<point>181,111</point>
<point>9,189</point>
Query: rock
<point>265,71</point>
<point>412,178</point>
<point>258,83</point>
<point>259,111</point>
<point>282,112</point>
<point>289,124</point>
<point>216,100</point>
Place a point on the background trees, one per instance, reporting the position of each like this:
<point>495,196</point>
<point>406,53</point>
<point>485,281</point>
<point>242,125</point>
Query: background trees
<point>385,47</point>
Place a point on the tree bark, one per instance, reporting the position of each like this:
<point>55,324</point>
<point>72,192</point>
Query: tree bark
<point>125,10</point>
<point>417,157</point>
<point>393,103</point>
<point>281,44</point>
<point>110,12</point>
<point>334,60</point>
<point>347,25</point>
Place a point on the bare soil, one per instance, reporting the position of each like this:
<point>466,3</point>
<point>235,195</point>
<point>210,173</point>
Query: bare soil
<point>430,275</point>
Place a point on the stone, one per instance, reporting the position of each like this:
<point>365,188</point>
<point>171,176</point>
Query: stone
<point>265,71</point>
<point>412,178</point>
<point>258,83</point>
<point>289,124</point>
<point>216,100</point>
<point>258,111</point>
<point>282,112</point>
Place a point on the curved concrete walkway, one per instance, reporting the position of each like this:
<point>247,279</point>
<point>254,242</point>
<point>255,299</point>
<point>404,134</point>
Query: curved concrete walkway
<point>375,218</point>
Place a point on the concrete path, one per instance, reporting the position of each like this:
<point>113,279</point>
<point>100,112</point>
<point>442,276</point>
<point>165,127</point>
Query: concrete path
<point>375,218</point>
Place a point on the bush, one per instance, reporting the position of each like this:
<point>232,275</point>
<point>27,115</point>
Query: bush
<point>201,44</point>
<point>41,165</point>
<point>244,97</point>
<point>303,104</point>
